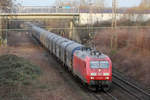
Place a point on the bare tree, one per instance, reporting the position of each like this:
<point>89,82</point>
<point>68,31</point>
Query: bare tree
<point>145,4</point>
<point>114,9</point>
<point>5,5</point>
<point>114,38</point>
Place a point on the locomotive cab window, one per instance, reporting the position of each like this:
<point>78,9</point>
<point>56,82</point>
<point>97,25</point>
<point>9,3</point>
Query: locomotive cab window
<point>99,64</point>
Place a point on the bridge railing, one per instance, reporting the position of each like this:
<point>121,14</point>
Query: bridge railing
<point>38,10</point>
<point>47,9</point>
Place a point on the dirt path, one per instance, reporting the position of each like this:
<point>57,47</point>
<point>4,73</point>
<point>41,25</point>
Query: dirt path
<point>53,84</point>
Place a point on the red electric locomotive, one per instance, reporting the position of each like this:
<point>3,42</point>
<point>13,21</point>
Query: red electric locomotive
<point>93,68</point>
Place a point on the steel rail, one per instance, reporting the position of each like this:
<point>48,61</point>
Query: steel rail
<point>113,97</point>
<point>130,88</point>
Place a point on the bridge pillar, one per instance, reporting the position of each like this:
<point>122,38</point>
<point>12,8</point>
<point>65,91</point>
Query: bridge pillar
<point>73,34</point>
<point>1,27</point>
<point>3,30</point>
<point>71,30</point>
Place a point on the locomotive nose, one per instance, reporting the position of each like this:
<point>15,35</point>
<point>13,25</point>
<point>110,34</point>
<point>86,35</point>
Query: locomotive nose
<point>100,70</point>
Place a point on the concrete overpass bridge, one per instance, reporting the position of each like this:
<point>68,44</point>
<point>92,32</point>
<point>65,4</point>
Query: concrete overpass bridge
<point>24,16</point>
<point>7,18</point>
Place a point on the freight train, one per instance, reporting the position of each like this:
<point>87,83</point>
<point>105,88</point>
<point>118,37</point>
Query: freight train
<point>91,66</point>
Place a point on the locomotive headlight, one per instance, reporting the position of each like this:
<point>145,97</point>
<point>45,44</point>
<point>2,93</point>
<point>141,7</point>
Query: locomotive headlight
<point>93,74</point>
<point>92,77</point>
<point>106,74</point>
<point>106,78</point>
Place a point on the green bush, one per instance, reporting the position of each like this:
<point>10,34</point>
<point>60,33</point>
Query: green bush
<point>17,70</point>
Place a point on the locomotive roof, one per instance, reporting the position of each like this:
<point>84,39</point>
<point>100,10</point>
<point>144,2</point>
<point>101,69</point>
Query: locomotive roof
<point>90,53</point>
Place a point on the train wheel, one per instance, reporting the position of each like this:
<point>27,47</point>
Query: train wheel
<point>106,88</point>
<point>94,88</point>
<point>97,88</point>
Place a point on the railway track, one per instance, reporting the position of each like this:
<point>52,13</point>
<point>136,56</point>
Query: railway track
<point>119,81</point>
<point>103,96</point>
<point>130,88</point>
<point>68,76</point>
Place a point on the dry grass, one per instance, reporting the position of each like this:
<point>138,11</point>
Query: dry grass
<point>132,53</point>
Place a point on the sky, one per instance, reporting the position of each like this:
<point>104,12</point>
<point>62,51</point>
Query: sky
<point>121,3</point>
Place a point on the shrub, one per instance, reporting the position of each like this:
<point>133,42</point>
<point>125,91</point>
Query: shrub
<point>17,70</point>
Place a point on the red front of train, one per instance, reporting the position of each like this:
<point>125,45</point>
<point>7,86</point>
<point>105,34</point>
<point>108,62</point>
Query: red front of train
<point>93,70</point>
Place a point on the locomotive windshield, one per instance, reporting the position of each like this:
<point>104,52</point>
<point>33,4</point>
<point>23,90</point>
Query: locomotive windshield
<point>99,64</point>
